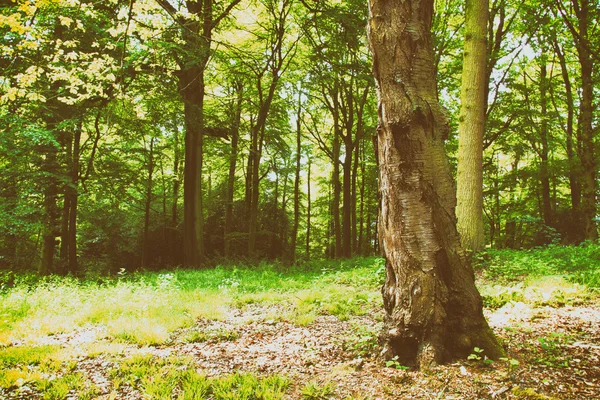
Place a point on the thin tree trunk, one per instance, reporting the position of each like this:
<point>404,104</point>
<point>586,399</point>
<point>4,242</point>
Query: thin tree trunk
<point>146,242</point>
<point>308,210</point>
<point>64,230</point>
<point>235,133</point>
<point>347,198</point>
<point>176,182</point>
<point>433,310</point>
<point>588,162</point>
<point>335,207</point>
<point>297,181</point>
<point>571,154</point>
<point>355,227</point>
<point>361,249</point>
<point>469,209</point>
<point>74,196</point>
<point>51,227</point>
<point>544,172</point>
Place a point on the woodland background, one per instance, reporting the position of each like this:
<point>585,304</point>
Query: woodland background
<point>96,98</point>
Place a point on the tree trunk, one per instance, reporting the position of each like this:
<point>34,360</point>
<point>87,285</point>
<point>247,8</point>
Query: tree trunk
<point>145,242</point>
<point>571,154</point>
<point>544,170</point>
<point>308,210</point>
<point>297,182</point>
<point>355,164</point>
<point>176,182</point>
<point>72,266</point>
<point>469,209</point>
<point>588,161</point>
<point>347,198</point>
<point>362,162</point>
<point>235,133</point>
<point>433,310</point>
<point>51,228</point>
<point>335,206</point>
<point>64,230</point>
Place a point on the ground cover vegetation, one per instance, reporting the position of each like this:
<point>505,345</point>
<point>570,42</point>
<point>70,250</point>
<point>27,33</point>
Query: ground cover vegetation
<point>194,196</point>
<point>308,332</point>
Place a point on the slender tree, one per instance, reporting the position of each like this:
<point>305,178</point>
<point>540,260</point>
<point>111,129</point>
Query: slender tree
<point>469,208</point>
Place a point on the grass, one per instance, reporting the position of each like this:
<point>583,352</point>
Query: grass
<point>578,264</point>
<point>554,275</point>
<point>159,378</point>
<point>148,309</point>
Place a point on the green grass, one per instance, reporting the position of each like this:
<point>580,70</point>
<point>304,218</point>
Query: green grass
<point>159,378</point>
<point>146,308</point>
<point>578,264</point>
<point>554,275</point>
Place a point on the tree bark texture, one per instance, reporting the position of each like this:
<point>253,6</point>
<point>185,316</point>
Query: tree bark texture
<point>433,310</point>
<point>469,209</point>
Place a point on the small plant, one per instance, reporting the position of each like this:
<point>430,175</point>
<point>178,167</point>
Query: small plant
<point>512,365</point>
<point>394,363</point>
<point>315,391</point>
<point>478,355</point>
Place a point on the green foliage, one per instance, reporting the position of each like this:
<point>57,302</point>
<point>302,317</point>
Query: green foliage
<point>160,378</point>
<point>145,308</point>
<point>394,363</point>
<point>362,340</point>
<point>578,264</point>
<point>315,390</point>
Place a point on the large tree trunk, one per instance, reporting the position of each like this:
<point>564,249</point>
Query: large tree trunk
<point>433,310</point>
<point>469,209</point>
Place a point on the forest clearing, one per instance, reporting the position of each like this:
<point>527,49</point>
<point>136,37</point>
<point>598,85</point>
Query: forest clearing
<point>309,332</point>
<point>299,199</point>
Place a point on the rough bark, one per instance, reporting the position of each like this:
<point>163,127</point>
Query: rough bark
<point>469,209</point>
<point>433,310</point>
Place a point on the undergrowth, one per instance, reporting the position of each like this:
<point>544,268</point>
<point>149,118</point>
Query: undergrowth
<point>147,307</point>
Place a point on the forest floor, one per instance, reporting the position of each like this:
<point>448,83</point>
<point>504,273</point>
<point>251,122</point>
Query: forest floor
<point>267,333</point>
